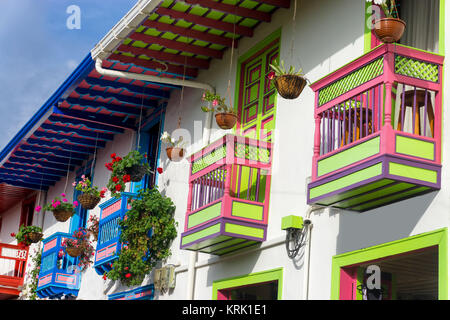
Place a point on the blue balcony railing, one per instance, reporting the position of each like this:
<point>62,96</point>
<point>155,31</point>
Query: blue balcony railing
<point>58,276</point>
<point>108,243</point>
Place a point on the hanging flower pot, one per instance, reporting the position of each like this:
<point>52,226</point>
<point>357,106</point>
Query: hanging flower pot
<point>35,237</point>
<point>136,172</point>
<point>62,209</point>
<point>175,154</point>
<point>88,201</point>
<point>226,120</point>
<point>289,86</point>
<point>28,235</point>
<point>74,252</point>
<point>389,30</point>
<point>63,215</point>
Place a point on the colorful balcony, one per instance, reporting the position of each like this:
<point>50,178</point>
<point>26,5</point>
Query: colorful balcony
<point>58,276</point>
<point>228,198</point>
<point>108,242</point>
<point>13,260</point>
<point>378,130</point>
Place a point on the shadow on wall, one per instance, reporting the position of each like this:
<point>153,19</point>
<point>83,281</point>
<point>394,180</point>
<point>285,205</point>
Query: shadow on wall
<point>385,224</point>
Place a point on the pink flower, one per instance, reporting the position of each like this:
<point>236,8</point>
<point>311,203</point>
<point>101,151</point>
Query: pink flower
<point>63,195</point>
<point>215,103</point>
<point>75,204</point>
<point>271,75</point>
<point>58,203</point>
<point>64,200</point>
<point>83,177</point>
<point>54,205</point>
<point>38,208</point>
<point>74,184</point>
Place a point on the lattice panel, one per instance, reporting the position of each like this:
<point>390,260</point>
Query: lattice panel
<point>251,153</point>
<point>353,80</point>
<point>416,69</point>
<point>209,159</point>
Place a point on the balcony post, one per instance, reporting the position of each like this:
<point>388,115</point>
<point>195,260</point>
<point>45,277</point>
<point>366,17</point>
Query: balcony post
<point>387,131</point>
<point>318,120</point>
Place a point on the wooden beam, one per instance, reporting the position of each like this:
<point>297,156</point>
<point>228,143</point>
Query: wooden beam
<point>81,132</point>
<point>115,96</point>
<point>232,9</point>
<point>61,119</point>
<point>277,3</point>
<point>165,56</point>
<point>177,45</point>
<point>54,152</point>
<point>191,34</point>
<point>37,156</point>
<point>134,111</point>
<point>206,22</point>
<point>89,143</point>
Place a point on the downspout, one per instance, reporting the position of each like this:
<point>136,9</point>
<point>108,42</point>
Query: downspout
<point>206,136</point>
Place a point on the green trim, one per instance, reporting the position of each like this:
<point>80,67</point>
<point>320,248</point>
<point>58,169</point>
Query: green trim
<point>414,147</point>
<point>246,210</point>
<point>403,170</point>
<point>421,241</point>
<point>201,234</point>
<point>292,221</point>
<point>346,181</point>
<point>347,157</point>
<point>249,279</point>
<point>204,215</point>
<point>244,230</point>
<point>442,27</point>
<point>367,30</point>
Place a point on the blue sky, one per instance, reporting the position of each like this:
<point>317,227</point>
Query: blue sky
<point>38,52</point>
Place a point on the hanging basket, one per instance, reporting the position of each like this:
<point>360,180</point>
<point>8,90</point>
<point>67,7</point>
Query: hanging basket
<point>35,237</point>
<point>136,172</point>
<point>88,201</point>
<point>389,30</point>
<point>63,215</point>
<point>289,86</point>
<point>74,252</point>
<point>226,120</point>
<point>175,154</point>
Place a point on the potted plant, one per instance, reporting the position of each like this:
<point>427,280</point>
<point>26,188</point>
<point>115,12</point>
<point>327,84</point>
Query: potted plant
<point>90,196</point>
<point>391,28</point>
<point>226,118</point>
<point>289,84</point>
<point>28,235</point>
<point>79,246</point>
<point>93,226</point>
<point>62,209</point>
<point>148,231</point>
<point>130,168</point>
<point>174,149</point>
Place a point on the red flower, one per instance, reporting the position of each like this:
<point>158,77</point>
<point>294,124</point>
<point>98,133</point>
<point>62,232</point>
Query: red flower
<point>118,187</point>
<point>102,194</point>
<point>128,275</point>
<point>104,276</point>
<point>115,179</point>
<point>113,155</point>
<point>12,234</point>
<point>160,170</point>
<point>126,268</point>
<point>109,166</point>
<point>271,75</point>
<point>126,178</point>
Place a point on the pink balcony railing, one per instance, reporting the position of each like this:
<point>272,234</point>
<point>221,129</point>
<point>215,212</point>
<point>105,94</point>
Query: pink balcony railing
<point>13,260</point>
<point>385,103</point>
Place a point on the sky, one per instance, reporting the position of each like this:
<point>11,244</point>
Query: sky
<point>38,50</point>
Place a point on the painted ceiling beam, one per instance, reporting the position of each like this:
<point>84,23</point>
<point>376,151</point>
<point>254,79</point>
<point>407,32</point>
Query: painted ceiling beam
<point>83,92</point>
<point>86,104</point>
<point>27,180</point>
<point>37,156</point>
<point>90,143</point>
<point>277,3</point>
<point>165,56</point>
<point>119,122</point>
<point>13,174</point>
<point>81,132</point>
<point>155,93</point>
<point>177,45</point>
<point>23,185</point>
<point>206,22</point>
<point>44,150</point>
<point>61,146</point>
<point>192,34</point>
<point>35,169</point>
<point>61,119</point>
<point>42,164</point>
<point>232,9</point>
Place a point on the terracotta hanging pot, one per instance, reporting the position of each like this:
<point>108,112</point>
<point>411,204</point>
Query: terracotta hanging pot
<point>389,30</point>
<point>289,86</point>
<point>88,201</point>
<point>175,154</point>
<point>74,252</point>
<point>35,237</point>
<point>136,172</point>
<point>63,215</point>
<point>226,120</point>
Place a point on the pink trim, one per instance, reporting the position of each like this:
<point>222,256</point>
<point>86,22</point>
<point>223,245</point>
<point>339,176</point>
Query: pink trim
<point>188,214</point>
<point>348,284</point>
<point>259,204</point>
<point>44,280</point>
<point>111,209</point>
<point>106,252</point>
<point>49,245</point>
<point>64,278</point>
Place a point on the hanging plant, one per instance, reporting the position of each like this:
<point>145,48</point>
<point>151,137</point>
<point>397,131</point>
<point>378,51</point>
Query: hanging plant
<point>147,232</point>
<point>79,246</point>
<point>391,28</point>
<point>28,235</point>
<point>90,196</point>
<point>226,118</point>
<point>93,226</point>
<point>289,84</point>
<point>130,168</point>
<point>175,148</point>
<point>62,209</point>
